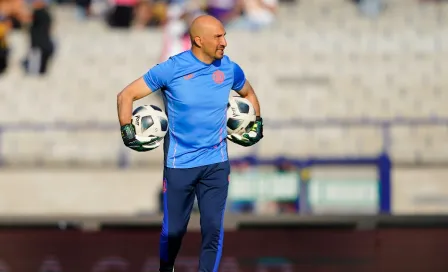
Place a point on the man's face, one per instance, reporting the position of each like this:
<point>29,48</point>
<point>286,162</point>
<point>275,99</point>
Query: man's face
<point>214,41</point>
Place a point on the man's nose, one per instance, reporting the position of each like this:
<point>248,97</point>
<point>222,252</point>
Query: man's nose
<point>224,42</point>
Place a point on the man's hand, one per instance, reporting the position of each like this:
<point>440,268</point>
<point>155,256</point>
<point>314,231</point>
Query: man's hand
<point>131,140</point>
<point>249,138</point>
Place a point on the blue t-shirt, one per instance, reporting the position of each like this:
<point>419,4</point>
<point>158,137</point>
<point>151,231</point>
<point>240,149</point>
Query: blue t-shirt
<point>196,96</point>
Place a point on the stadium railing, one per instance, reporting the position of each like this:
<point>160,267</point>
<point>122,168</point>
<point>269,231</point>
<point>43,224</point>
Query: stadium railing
<point>304,166</point>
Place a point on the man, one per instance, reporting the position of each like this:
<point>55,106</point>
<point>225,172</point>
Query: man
<point>225,10</point>
<point>175,31</point>
<point>5,26</point>
<point>196,85</point>
<point>9,9</point>
<point>41,42</point>
<point>258,14</point>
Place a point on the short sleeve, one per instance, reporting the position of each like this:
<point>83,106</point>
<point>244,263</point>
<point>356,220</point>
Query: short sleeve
<point>160,75</point>
<point>238,77</point>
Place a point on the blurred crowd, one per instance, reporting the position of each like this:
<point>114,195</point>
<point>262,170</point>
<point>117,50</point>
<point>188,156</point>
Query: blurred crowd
<point>173,16</point>
<point>14,14</point>
<point>155,13</point>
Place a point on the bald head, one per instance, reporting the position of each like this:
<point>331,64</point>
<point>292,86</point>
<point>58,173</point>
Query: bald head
<point>207,37</point>
<point>203,24</point>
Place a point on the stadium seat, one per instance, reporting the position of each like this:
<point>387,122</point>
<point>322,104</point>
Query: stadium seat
<point>321,60</point>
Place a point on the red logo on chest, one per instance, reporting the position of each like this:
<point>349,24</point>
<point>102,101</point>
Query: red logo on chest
<point>189,76</point>
<point>218,77</point>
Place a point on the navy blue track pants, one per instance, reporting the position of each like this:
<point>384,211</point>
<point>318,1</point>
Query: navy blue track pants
<point>210,184</point>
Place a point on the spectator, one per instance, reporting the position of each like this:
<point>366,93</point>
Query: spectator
<point>258,14</point>
<point>225,10</point>
<point>176,38</point>
<point>5,26</point>
<point>41,47</point>
<point>143,14</point>
<point>9,9</point>
<point>122,13</point>
<point>159,13</point>
<point>150,14</point>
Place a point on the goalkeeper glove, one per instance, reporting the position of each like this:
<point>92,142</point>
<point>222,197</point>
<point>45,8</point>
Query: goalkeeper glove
<point>252,137</point>
<point>131,140</point>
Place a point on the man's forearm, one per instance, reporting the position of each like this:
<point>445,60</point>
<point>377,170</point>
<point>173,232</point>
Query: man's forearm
<point>254,100</point>
<point>124,108</point>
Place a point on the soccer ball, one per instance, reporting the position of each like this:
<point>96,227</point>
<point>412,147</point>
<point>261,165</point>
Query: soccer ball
<point>149,121</point>
<point>240,115</point>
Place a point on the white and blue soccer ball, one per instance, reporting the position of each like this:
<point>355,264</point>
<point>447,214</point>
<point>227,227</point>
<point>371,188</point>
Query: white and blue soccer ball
<point>240,115</point>
<point>150,122</point>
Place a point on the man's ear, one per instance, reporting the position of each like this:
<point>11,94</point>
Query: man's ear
<point>197,42</point>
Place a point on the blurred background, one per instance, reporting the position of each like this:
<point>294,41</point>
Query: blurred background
<point>354,97</point>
